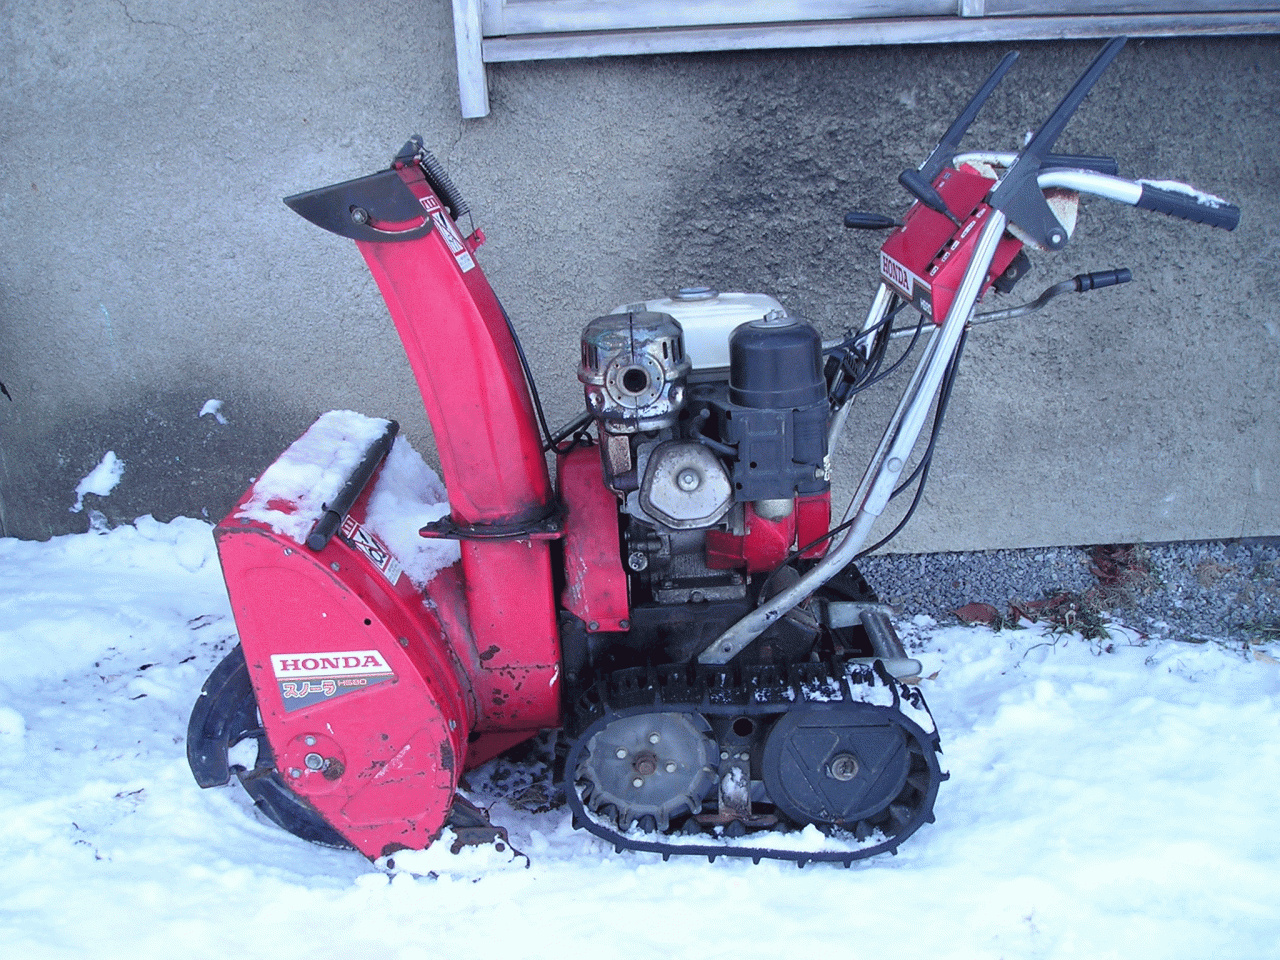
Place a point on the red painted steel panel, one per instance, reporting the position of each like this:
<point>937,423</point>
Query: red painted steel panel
<point>812,521</point>
<point>467,369</point>
<point>393,737</point>
<point>472,385</point>
<point>595,587</point>
<point>924,259</point>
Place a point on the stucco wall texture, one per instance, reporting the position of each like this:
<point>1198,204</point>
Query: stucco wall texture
<point>148,264</point>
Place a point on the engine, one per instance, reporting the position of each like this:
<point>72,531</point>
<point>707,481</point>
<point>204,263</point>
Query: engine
<point>712,419</point>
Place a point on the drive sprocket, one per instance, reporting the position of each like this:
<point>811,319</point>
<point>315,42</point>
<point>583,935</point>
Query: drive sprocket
<point>648,768</point>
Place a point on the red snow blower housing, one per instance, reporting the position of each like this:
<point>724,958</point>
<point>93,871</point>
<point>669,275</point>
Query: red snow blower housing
<point>678,603</point>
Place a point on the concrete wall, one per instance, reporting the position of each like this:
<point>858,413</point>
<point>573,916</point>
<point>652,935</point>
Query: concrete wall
<point>148,264</point>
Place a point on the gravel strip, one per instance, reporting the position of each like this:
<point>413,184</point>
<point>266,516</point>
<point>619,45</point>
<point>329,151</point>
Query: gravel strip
<point>1226,591</point>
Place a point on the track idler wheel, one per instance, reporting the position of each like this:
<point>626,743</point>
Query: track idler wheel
<point>859,767</point>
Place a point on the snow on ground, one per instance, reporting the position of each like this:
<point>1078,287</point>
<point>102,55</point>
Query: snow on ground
<point>1106,800</point>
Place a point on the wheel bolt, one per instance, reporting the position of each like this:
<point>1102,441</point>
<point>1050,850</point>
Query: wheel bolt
<point>844,767</point>
<point>653,738</point>
<point>671,766</point>
<point>638,782</point>
<point>620,753</point>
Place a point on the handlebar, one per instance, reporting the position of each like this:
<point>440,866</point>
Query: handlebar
<point>1162,196</point>
<point>1166,196</point>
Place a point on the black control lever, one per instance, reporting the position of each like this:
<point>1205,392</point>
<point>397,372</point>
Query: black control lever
<point>1080,283</point>
<point>1018,195</point>
<point>863,220</point>
<point>923,190</point>
<point>919,182</point>
<point>1074,161</point>
<point>1101,278</point>
<point>949,145</point>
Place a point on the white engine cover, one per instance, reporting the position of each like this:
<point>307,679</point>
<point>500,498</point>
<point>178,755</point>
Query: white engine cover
<point>708,317</point>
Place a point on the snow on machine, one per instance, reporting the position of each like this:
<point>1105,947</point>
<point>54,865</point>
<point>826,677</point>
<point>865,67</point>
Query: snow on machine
<point>678,602</point>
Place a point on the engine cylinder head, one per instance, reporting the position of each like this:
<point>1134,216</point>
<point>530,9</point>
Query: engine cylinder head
<point>634,371</point>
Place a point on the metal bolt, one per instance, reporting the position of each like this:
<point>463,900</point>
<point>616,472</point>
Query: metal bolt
<point>359,215</point>
<point>313,761</point>
<point>288,551</point>
<point>744,756</point>
<point>453,724</point>
<point>671,766</point>
<point>894,464</point>
<point>295,772</point>
<point>309,740</point>
<point>638,782</point>
<point>724,754</point>
<point>843,766</point>
<point>624,624</point>
<point>637,561</point>
<point>593,625</point>
<point>653,738</point>
<point>688,479</point>
<point>620,753</point>
<point>334,566</point>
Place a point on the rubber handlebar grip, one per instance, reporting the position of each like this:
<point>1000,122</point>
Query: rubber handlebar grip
<point>1102,278</point>
<point>1188,207</point>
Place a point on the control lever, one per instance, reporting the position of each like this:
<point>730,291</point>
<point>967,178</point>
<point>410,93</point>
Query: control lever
<point>1080,283</point>
<point>862,220</point>
<point>923,190</point>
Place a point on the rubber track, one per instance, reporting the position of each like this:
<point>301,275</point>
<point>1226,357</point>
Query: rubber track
<point>741,691</point>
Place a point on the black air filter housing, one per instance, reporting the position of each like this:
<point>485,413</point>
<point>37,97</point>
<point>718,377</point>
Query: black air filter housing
<point>777,410</point>
<point>776,363</point>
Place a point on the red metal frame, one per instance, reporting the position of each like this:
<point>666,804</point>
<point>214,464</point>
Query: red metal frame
<point>766,543</point>
<point>925,258</point>
<point>595,589</point>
